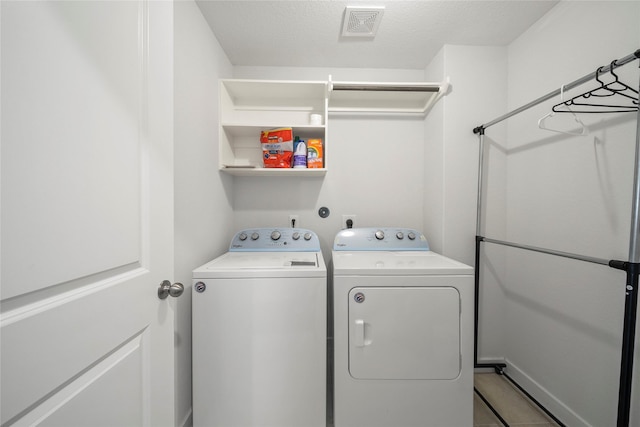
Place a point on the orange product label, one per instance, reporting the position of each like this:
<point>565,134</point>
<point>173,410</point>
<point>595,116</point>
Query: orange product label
<point>277,147</point>
<point>315,154</point>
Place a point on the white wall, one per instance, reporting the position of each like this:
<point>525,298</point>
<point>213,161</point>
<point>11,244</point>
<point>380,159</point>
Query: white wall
<point>203,196</point>
<point>433,160</point>
<point>477,76</point>
<point>451,172</point>
<point>563,318</point>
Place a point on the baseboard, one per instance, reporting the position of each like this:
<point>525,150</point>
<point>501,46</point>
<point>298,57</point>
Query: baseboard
<point>546,398</point>
<point>485,364</point>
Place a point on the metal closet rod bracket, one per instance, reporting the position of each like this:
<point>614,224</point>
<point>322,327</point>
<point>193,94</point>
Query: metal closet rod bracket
<point>619,265</point>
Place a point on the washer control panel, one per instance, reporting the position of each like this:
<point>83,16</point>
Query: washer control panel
<point>275,239</point>
<point>380,239</point>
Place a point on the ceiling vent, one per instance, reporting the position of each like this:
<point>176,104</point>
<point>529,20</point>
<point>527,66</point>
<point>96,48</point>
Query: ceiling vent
<point>361,21</point>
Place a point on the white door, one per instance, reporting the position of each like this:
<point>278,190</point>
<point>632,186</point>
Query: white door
<point>87,213</point>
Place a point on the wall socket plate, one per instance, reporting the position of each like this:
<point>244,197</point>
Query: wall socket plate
<point>351,217</point>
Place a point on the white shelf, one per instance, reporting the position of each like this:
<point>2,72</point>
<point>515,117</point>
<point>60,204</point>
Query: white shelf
<point>253,131</point>
<point>274,93</point>
<point>248,107</point>
<point>271,172</point>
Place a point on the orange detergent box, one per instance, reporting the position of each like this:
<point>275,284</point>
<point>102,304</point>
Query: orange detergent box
<point>315,155</point>
<point>277,147</point>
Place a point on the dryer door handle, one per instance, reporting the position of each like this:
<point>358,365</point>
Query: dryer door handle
<point>359,333</point>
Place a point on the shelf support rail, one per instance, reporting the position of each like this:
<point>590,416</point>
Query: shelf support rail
<point>632,267</point>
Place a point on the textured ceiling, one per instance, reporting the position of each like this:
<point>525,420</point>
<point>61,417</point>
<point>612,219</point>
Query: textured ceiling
<point>307,33</point>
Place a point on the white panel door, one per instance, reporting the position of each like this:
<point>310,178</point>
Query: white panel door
<point>404,333</point>
<point>87,213</point>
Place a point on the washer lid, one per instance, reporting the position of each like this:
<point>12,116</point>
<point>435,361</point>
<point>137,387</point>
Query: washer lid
<point>263,264</point>
<point>396,263</point>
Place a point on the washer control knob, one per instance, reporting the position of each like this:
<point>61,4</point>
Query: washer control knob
<point>295,235</point>
<point>255,236</point>
<point>411,235</point>
<point>275,235</point>
<point>400,235</point>
<point>379,234</point>
<point>307,236</point>
<point>242,236</point>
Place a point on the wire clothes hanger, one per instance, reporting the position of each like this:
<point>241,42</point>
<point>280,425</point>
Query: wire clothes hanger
<point>581,131</point>
<point>613,97</point>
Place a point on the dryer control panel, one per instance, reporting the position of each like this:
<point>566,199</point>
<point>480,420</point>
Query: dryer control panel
<point>380,239</point>
<point>275,239</point>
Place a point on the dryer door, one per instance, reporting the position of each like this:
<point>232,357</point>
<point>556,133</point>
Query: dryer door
<point>404,333</point>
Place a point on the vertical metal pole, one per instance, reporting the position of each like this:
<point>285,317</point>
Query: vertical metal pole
<point>478,240</point>
<point>480,132</point>
<point>631,296</point>
<point>634,238</point>
<point>628,341</point>
<point>476,304</point>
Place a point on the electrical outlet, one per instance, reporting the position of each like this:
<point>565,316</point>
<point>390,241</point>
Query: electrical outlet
<point>346,218</point>
<point>293,221</point>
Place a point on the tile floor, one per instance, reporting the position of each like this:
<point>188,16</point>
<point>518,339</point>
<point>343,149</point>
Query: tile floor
<point>510,403</point>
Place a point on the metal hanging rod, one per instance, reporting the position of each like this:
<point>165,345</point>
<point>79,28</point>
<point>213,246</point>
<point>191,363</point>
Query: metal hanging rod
<point>575,83</point>
<point>549,251</point>
<point>386,87</point>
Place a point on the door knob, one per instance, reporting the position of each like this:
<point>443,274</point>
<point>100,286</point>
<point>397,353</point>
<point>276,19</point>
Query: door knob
<point>166,288</point>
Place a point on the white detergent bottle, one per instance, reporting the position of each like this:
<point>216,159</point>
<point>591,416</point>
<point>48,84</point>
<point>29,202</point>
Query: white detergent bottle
<point>299,154</point>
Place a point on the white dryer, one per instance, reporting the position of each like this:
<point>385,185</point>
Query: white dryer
<point>259,332</point>
<point>403,332</point>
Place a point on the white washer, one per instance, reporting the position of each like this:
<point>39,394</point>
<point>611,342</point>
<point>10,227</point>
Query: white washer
<point>259,332</point>
<point>403,332</point>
